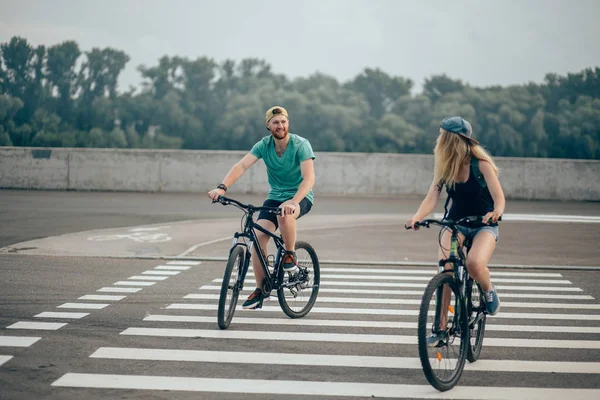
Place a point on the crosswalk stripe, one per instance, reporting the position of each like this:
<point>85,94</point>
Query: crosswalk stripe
<point>420,293</point>
<point>172,268</point>
<point>17,341</point>
<point>42,326</point>
<point>367,324</point>
<point>66,314</point>
<point>155,272</point>
<point>315,388</point>
<point>432,271</point>
<point>133,283</point>
<point>4,359</point>
<point>152,354</point>
<point>377,311</point>
<point>427,278</point>
<point>148,278</point>
<point>349,338</point>
<point>423,285</point>
<point>90,306</point>
<point>192,263</point>
<point>371,300</point>
<point>101,297</point>
<point>118,290</point>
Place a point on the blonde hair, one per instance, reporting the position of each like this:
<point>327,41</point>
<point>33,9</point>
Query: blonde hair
<point>451,151</point>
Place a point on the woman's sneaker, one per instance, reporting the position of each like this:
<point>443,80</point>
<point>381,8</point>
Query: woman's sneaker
<point>492,302</point>
<point>290,261</point>
<point>253,300</point>
<point>436,339</point>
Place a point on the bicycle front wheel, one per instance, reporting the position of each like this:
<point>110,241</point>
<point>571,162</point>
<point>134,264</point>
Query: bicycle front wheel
<point>477,319</point>
<point>298,290</point>
<point>443,332</point>
<point>230,288</point>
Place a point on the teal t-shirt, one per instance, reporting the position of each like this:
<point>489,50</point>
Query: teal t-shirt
<point>283,172</point>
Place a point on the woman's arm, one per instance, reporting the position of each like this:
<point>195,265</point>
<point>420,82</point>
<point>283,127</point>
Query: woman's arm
<point>493,184</point>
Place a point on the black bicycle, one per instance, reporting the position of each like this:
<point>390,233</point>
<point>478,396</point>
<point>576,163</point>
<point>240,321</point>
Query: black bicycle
<point>296,291</point>
<point>452,316</point>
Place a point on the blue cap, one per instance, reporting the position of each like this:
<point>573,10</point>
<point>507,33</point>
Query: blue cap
<point>459,126</point>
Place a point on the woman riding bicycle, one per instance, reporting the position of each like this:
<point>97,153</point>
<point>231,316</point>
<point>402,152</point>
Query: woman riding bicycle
<point>454,151</point>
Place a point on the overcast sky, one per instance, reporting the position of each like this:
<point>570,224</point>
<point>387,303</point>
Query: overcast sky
<point>480,42</point>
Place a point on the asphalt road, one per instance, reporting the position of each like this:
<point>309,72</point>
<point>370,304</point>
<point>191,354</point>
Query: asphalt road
<point>161,341</point>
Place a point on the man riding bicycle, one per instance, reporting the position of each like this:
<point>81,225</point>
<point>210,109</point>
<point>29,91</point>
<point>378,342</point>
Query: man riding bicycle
<point>290,172</point>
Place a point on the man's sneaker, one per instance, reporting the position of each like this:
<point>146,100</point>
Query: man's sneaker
<point>289,261</point>
<point>492,303</point>
<point>253,300</point>
<point>436,339</point>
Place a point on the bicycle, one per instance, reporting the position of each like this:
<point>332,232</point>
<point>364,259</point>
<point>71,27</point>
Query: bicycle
<point>458,321</point>
<point>296,291</point>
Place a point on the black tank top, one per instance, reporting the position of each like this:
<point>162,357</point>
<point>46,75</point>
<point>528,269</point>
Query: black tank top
<point>469,199</point>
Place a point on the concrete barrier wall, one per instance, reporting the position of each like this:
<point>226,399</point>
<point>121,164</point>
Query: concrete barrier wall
<point>337,173</point>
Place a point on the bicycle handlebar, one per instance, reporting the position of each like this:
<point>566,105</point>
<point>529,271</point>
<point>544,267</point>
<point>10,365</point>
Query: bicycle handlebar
<point>451,224</point>
<point>227,201</point>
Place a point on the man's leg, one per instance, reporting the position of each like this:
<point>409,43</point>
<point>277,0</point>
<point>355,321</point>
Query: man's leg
<point>263,240</point>
<point>287,227</point>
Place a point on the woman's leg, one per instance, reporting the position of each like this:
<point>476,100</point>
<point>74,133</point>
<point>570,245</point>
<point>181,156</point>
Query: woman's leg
<point>484,244</point>
<point>444,253</point>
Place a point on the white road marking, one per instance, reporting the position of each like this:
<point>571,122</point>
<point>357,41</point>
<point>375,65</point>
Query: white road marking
<point>4,359</point>
<point>243,357</point>
<point>182,262</point>
<point>367,324</point>
<point>172,267</point>
<point>118,290</point>
<point>66,314</point>
<point>90,306</point>
<point>372,300</point>
<point>148,278</point>
<point>372,311</point>
<point>197,246</point>
<point>316,388</point>
<point>423,285</point>
<point>17,341</point>
<point>420,293</point>
<point>103,297</point>
<point>348,338</point>
<point>154,272</point>
<point>42,326</point>
<point>432,271</point>
<point>133,283</point>
<point>543,218</point>
<point>385,278</point>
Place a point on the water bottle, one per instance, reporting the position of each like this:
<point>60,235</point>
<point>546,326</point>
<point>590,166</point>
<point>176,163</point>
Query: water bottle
<point>271,262</point>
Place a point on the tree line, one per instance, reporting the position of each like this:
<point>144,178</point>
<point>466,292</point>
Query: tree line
<point>61,96</point>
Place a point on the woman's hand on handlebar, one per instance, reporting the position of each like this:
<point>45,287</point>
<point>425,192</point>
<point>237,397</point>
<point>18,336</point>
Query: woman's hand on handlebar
<point>492,216</point>
<point>410,224</point>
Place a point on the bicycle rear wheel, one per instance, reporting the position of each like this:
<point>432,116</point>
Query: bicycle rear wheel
<point>477,319</point>
<point>298,291</point>
<point>444,361</point>
<point>230,288</point>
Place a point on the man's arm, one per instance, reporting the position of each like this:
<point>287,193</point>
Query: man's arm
<point>234,174</point>
<point>307,168</point>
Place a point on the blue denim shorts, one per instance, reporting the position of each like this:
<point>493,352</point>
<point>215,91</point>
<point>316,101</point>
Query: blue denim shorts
<point>470,232</point>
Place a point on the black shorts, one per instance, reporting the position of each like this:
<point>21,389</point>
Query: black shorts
<point>305,206</point>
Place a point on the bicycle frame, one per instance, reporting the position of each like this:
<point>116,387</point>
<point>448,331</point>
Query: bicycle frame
<point>249,232</point>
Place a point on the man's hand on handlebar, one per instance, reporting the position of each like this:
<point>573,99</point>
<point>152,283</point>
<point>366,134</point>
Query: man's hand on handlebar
<point>215,193</point>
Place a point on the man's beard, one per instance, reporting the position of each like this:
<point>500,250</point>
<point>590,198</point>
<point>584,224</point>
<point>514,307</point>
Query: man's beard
<point>279,135</point>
